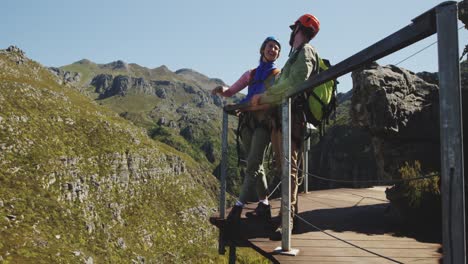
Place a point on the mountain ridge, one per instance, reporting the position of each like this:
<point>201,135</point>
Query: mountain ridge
<point>176,108</point>
<point>137,70</point>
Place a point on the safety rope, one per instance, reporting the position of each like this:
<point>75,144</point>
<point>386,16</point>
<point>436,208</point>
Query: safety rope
<point>429,175</point>
<point>274,190</point>
<point>342,240</point>
<point>424,49</point>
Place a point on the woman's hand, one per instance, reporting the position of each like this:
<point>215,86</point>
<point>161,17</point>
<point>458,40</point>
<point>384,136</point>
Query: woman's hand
<point>217,90</point>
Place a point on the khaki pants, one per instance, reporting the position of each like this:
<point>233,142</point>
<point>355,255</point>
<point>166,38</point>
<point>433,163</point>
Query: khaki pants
<point>297,142</point>
<point>255,138</point>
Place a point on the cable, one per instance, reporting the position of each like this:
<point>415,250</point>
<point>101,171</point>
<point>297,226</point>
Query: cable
<point>430,175</point>
<point>416,53</point>
<point>422,50</point>
<point>342,240</point>
<point>272,192</point>
<point>274,189</point>
<point>335,237</point>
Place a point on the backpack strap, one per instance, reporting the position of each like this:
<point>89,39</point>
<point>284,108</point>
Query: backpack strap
<point>294,56</point>
<point>252,77</point>
<point>275,72</point>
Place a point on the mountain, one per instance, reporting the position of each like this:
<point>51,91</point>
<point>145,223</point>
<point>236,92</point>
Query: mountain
<point>81,184</point>
<point>199,79</point>
<point>175,108</point>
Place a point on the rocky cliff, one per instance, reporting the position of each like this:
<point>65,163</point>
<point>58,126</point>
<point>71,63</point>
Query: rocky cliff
<point>79,184</point>
<point>393,119</point>
<point>401,112</point>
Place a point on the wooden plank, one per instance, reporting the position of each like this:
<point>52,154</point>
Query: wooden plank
<point>364,260</point>
<point>388,243</point>
<point>352,234</point>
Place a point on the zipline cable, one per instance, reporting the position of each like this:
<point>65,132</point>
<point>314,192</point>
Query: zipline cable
<point>424,49</point>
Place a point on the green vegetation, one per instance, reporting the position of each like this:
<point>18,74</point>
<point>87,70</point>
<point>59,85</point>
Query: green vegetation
<point>58,190</point>
<point>417,199</point>
<point>79,183</point>
<point>418,191</point>
<point>342,115</point>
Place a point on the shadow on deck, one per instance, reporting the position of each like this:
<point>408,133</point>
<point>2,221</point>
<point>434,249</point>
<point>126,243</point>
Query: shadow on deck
<point>340,225</point>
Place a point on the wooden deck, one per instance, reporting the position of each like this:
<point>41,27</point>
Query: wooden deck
<point>341,226</point>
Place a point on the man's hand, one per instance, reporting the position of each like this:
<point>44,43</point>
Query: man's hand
<point>255,100</point>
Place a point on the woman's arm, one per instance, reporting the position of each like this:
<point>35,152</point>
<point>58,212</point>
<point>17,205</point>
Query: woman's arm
<point>240,84</point>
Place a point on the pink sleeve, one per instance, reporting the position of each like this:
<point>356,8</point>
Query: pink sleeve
<point>238,85</point>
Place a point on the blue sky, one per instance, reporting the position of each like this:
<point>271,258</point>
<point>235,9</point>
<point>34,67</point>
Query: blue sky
<point>217,38</point>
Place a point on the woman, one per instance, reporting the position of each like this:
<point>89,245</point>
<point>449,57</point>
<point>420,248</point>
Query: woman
<point>254,130</point>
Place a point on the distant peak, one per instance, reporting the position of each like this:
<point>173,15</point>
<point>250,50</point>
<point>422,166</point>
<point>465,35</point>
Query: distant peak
<point>18,54</point>
<point>15,49</point>
<point>117,65</point>
<point>84,61</point>
<point>185,70</point>
<point>162,67</point>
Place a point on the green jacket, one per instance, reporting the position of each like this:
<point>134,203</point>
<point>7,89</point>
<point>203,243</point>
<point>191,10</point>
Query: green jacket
<point>296,70</point>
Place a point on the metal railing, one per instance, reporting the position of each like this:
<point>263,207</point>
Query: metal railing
<point>442,20</point>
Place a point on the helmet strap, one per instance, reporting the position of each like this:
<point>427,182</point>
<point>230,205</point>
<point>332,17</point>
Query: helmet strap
<point>291,37</point>
<point>297,28</point>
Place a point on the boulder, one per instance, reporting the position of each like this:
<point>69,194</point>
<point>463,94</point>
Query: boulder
<point>401,112</point>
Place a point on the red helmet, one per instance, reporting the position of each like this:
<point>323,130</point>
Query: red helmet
<point>308,21</point>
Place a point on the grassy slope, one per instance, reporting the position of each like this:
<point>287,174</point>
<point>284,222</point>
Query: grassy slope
<point>53,138</point>
<point>60,199</point>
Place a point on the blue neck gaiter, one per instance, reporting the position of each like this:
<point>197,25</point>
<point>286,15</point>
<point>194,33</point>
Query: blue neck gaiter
<point>257,85</point>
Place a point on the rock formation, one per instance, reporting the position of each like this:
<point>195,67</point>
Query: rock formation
<point>394,119</point>
<point>401,112</point>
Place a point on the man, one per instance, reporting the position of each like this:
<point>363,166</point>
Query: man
<point>301,64</point>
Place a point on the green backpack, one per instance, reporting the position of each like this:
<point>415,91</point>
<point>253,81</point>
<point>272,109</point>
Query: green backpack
<point>320,102</point>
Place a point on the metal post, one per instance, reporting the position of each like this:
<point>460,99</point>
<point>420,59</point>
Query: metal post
<point>222,196</point>
<point>286,181</point>
<point>306,163</point>
<point>451,136</point>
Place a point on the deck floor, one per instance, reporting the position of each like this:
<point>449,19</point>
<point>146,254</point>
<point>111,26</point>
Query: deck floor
<point>341,226</point>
